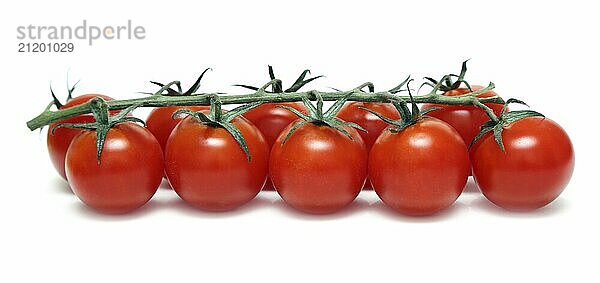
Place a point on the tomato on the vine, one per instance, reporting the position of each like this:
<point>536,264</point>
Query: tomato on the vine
<point>59,141</point>
<point>208,168</point>
<point>421,169</point>
<point>319,163</point>
<point>532,171</point>
<point>270,118</point>
<point>318,169</point>
<point>160,122</point>
<point>126,176</point>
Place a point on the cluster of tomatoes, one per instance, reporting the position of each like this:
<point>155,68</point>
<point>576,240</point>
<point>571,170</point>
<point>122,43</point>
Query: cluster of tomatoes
<point>418,168</point>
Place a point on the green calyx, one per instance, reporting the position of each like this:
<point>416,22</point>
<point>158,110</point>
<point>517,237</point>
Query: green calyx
<point>317,116</point>
<point>496,124</point>
<point>219,119</point>
<point>328,118</point>
<point>57,102</point>
<point>277,85</point>
<point>179,92</point>
<point>103,122</point>
<point>407,117</point>
<point>447,83</point>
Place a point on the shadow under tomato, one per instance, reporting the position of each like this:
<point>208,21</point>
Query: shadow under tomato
<point>158,202</point>
<point>557,206</point>
<point>356,206</point>
<point>62,186</point>
<point>382,209</point>
<point>471,187</point>
<point>171,203</point>
<point>165,184</point>
<point>90,213</point>
<point>181,206</point>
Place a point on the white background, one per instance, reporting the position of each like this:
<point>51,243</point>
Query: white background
<point>546,54</point>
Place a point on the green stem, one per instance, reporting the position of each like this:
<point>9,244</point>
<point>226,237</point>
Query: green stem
<point>488,110</point>
<point>49,116</point>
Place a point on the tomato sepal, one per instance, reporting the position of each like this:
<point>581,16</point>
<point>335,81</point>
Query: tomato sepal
<point>497,124</point>
<point>318,117</point>
<point>179,91</point>
<point>399,88</point>
<point>70,91</point>
<point>277,84</point>
<point>446,84</point>
<point>407,117</point>
<point>104,122</point>
<point>220,119</point>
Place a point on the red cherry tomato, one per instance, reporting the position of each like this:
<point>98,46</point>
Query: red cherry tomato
<point>271,120</point>
<point>129,174</point>
<point>351,112</point>
<point>534,170</point>
<point>318,169</point>
<point>59,142</point>
<point>420,170</point>
<point>160,121</point>
<point>466,119</point>
<point>208,169</point>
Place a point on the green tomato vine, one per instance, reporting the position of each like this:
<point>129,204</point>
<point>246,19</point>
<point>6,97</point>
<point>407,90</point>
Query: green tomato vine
<point>163,98</point>
<point>273,92</point>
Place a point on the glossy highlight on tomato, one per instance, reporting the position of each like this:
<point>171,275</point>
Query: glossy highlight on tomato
<point>59,141</point>
<point>420,170</point>
<point>534,169</point>
<point>208,169</point>
<point>129,172</point>
<point>318,169</point>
